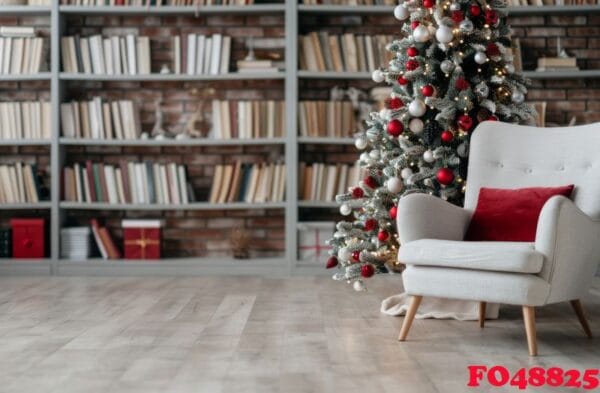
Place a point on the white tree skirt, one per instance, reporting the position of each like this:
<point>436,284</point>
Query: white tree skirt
<point>438,308</point>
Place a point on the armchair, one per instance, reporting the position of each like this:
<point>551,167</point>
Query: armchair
<point>561,263</point>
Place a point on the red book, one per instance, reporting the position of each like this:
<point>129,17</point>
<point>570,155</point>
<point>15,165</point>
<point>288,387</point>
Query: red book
<point>109,244</point>
<point>28,237</point>
<point>90,174</point>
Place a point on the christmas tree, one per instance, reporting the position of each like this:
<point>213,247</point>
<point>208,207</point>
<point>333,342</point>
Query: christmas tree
<point>451,70</point>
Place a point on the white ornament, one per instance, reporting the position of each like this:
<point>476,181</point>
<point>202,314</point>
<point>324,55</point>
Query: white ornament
<point>385,114</point>
<point>428,156</point>
<point>144,135</point>
<point>482,90</point>
<point>345,209</point>
<point>416,126</point>
<point>344,254</point>
<point>378,76</point>
<point>421,34</point>
<point>361,143</point>
<point>417,108</point>
<point>480,58</point>
<point>510,68</point>
<point>374,154</point>
<point>454,7</point>
<point>358,286</point>
<point>401,12</point>
<point>466,26</point>
<point>394,185</point>
<point>447,66</point>
<point>406,173</point>
<point>517,97</point>
<point>364,156</point>
<point>444,34</point>
<point>462,150</point>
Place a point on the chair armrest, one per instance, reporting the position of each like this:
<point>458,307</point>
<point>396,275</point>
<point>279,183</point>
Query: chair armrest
<point>423,216</point>
<point>570,242</point>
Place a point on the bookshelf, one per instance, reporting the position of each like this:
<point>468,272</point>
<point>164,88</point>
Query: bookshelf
<point>291,144</point>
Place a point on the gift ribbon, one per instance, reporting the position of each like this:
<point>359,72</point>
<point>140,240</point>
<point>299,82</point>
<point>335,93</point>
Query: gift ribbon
<point>142,242</point>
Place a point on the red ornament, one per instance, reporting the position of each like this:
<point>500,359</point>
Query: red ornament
<point>412,65</point>
<point>475,10</point>
<point>331,262</point>
<point>371,182</point>
<point>383,236</point>
<point>395,103</point>
<point>393,212</point>
<point>492,50</point>
<point>461,84</point>
<point>492,118</point>
<point>357,193</point>
<point>412,51</point>
<point>395,127</point>
<point>447,136</point>
<point>465,122</point>
<point>458,16</point>
<point>402,81</point>
<point>445,176</point>
<point>367,271</point>
<point>428,3</point>
<point>427,90</point>
<point>356,255</point>
<point>370,224</point>
<point>491,17</point>
<point>414,24</point>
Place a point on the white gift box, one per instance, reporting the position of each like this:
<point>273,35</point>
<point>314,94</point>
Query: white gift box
<point>311,241</point>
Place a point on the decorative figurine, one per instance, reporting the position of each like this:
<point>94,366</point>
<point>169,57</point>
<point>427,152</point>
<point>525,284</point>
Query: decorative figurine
<point>158,132</point>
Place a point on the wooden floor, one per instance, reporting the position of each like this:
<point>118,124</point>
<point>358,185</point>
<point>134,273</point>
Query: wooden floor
<point>207,334</point>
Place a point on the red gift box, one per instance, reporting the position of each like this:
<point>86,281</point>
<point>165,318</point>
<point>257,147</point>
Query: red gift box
<point>28,237</point>
<point>142,239</point>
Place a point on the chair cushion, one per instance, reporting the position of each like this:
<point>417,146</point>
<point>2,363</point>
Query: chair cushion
<point>505,215</point>
<point>517,257</point>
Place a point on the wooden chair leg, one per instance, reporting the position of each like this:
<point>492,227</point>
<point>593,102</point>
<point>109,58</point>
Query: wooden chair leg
<point>581,316</point>
<point>413,306</point>
<point>482,314</point>
<point>529,319</point>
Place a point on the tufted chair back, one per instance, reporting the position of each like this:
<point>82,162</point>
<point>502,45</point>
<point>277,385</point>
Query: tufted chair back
<point>505,155</point>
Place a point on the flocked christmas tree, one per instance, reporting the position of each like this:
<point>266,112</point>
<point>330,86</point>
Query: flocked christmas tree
<point>451,70</point>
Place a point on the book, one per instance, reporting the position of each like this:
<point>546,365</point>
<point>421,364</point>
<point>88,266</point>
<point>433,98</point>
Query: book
<point>323,181</point>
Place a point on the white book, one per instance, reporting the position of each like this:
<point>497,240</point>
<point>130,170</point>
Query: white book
<point>191,54</point>
<point>207,55</point>
<point>126,120</point>
<point>12,175</point>
<point>27,56</point>
<point>2,118</point>
<point>241,123</point>
<point>111,184</point>
<point>129,223</point>
<point>173,183</point>
<point>116,120</point>
<point>1,53</point>
<point>36,108</point>
<point>86,188</point>
<point>141,184</point>
<point>182,184</point>
<point>120,187</point>
<point>124,58</point>
<point>164,184</point>
<point>176,54</point>
<point>108,53</point>
<point>97,103</point>
<point>97,55</point>
<point>46,120</point>
<point>132,180</point>
<point>17,31</point>
<point>86,59</point>
<point>143,55</point>
<point>132,54</point>
<point>200,49</point>
<point>225,55</point>
<point>27,130</point>
<point>17,56</point>
<point>78,183</point>
<point>67,120</point>
<point>217,43</point>
<point>18,133</point>
<point>7,55</point>
<point>157,186</point>
<point>20,185</point>
<point>35,58</point>
<point>217,129</point>
<point>116,55</point>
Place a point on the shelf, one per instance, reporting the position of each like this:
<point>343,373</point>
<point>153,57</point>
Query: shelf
<point>171,77</point>
<point>26,206</point>
<point>13,266</point>
<point>570,74</point>
<point>553,9</point>
<point>42,76</point>
<point>172,10</point>
<point>175,266</point>
<point>157,207</point>
<point>333,75</point>
<point>325,140</point>
<point>319,204</point>
<point>24,10</point>
<point>171,142</point>
<point>25,142</point>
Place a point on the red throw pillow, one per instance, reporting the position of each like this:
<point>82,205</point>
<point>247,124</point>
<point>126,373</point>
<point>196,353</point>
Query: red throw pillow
<point>510,214</point>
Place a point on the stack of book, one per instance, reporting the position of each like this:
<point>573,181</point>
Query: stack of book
<point>350,2</point>
<point>97,119</point>
<point>19,184</point>
<point>327,119</point>
<point>251,183</point>
<point>21,52</point>
<point>75,242</point>
<point>202,55</point>
<point>320,51</point>
<point>556,64</point>
<point>322,182</point>
<point>154,3</point>
<point>116,55</point>
<point>39,2</point>
<point>25,120</point>
<point>129,182</point>
<point>249,66</point>
<point>248,119</point>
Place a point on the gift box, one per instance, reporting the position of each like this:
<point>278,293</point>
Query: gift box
<point>28,237</point>
<point>311,241</point>
<point>142,239</point>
